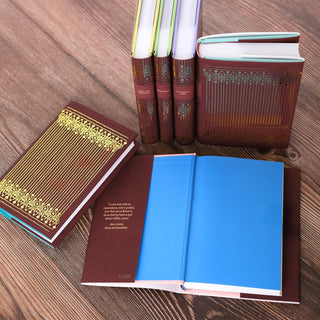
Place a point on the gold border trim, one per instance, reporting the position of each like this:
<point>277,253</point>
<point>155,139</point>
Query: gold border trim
<point>29,203</point>
<point>90,131</point>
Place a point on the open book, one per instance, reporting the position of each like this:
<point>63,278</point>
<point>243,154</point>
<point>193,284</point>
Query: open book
<point>201,225</point>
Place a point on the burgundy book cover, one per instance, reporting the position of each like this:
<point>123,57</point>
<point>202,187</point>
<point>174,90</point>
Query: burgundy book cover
<point>291,242</point>
<point>84,209</point>
<point>143,76</point>
<point>184,100</point>
<point>117,225</point>
<point>164,97</point>
<point>96,195</point>
<point>48,187</point>
<point>246,103</point>
<point>113,247</point>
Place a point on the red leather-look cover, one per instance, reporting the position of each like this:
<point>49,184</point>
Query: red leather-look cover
<point>163,77</point>
<point>117,226</point>
<point>56,174</point>
<point>246,103</point>
<point>113,248</point>
<point>143,76</point>
<point>184,100</point>
<point>291,241</point>
<point>95,195</point>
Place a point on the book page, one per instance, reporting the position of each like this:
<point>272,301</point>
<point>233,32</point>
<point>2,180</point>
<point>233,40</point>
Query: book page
<point>247,51</point>
<point>164,40</point>
<point>164,240</point>
<point>235,241</point>
<point>186,29</point>
<point>145,32</point>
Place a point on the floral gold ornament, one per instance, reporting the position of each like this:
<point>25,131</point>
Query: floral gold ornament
<point>62,162</point>
<point>88,130</point>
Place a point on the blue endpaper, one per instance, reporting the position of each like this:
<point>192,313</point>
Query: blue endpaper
<point>214,220</point>
<point>164,241</point>
<point>236,224</point>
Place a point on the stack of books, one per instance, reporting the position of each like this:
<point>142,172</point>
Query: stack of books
<point>242,90</point>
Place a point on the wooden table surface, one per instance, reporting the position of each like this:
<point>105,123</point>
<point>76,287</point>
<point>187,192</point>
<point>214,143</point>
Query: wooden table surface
<point>55,51</point>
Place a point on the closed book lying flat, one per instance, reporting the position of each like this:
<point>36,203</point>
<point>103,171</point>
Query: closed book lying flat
<point>212,226</point>
<point>247,88</point>
<point>60,175</point>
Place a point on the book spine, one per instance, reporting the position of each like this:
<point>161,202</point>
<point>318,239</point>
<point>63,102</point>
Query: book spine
<point>246,103</point>
<point>184,99</point>
<point>143,76</point>
<point>164,97</point>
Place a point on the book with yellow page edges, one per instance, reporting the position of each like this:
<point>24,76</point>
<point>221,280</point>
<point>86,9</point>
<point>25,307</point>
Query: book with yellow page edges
<point>60,175</point>
<point>144,30</point>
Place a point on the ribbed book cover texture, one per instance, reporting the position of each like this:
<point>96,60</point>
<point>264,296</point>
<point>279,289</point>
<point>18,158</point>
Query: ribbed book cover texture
<point>143,76</point>
<point>248,96</point>
<point>248,104</point>
<point>59,175</point>
<point>184,99</point>
<point>164,97</point>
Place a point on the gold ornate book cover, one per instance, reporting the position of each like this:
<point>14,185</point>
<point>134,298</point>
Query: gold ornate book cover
<point>248,96</point>
<point>61,173</point>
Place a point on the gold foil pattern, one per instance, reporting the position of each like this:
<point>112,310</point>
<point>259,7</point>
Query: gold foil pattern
<point>60,168</point>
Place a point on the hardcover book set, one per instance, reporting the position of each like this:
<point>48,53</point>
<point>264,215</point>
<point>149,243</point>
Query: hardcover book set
<point>228,89</point>
<point>203,225</point>
<point>60,175</point>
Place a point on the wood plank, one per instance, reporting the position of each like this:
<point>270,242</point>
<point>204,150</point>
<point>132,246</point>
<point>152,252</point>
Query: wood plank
<point>94,36</point>
<point>34,283</point>
<point>55,51</point>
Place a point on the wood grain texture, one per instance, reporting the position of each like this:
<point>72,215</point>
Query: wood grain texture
<point>55,51</point>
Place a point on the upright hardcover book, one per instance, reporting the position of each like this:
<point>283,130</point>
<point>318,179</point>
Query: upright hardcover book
<point>247,88</point>
<point>59,176</point>
<point>163,70</point>
<point>183,69</point>
<point>218,233</point>
<point>142,66</point>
